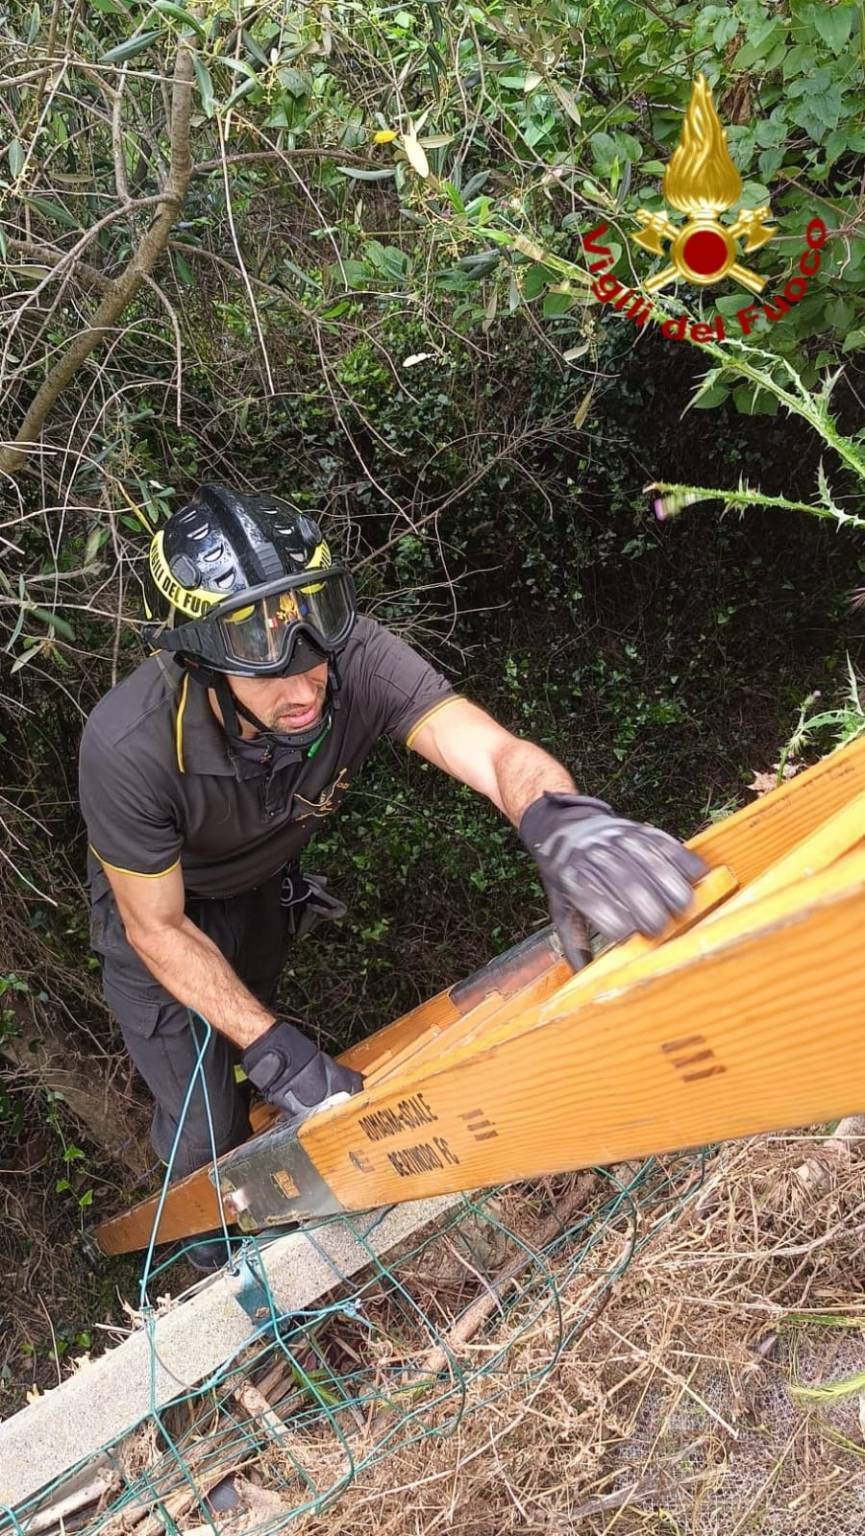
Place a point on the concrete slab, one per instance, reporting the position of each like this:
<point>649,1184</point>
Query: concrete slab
<point>107,1399</point>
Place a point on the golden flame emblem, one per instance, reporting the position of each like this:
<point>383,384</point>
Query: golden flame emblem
<point>701,181</point>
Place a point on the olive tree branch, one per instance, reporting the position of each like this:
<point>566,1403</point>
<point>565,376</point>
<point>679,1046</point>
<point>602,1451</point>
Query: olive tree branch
<point>123,288</point>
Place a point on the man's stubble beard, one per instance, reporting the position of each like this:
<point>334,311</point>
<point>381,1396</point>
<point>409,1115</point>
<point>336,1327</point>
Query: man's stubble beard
<point>282,719</point>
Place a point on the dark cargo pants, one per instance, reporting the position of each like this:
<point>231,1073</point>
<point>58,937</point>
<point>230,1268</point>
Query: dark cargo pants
<point>254,932</point>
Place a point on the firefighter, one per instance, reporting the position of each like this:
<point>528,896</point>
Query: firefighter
<point>206,771</point>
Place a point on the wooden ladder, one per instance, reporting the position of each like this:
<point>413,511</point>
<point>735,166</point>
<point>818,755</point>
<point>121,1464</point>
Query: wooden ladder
<point>743,1017</point>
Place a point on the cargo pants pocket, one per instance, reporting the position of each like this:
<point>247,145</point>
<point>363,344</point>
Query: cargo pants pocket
<point>134,1011</point>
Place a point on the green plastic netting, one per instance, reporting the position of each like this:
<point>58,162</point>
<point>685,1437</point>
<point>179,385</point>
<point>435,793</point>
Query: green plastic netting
<point>403,1350</point>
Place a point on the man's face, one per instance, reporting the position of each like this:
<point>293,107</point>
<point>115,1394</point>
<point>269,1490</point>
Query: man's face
<point>284,703</point>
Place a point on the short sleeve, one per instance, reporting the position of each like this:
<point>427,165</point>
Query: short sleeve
<point>128,828</point>
<point>398,687</point>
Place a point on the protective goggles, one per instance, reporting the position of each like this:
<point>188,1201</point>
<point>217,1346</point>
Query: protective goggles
<point>256,633</point>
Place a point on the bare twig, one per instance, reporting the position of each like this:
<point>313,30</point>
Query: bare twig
<point>117,139</point>
<point>124,288</point>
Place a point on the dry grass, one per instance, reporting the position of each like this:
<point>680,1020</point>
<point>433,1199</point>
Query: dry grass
<point>673,1413</point>
<point>683,1402</point>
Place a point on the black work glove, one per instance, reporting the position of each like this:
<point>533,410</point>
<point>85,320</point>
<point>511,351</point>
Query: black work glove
<point>294,1074</point>
<point>621,875</point>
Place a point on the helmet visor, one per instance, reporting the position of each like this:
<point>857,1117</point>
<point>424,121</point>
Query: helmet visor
<point>264,633</point>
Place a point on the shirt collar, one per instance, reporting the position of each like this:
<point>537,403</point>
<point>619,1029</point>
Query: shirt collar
<point>200,743</point>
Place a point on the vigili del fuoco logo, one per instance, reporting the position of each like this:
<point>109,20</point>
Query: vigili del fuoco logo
<point>702,183</point>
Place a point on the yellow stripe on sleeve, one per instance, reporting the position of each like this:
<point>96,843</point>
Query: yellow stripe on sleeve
<point>157,875</point>
<point>454,699</point>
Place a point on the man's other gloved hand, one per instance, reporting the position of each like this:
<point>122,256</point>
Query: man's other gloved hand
<point>294,1074</point>
<point>621,875</point>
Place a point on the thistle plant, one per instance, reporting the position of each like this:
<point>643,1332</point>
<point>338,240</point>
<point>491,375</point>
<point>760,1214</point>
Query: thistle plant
<point>762,370</point>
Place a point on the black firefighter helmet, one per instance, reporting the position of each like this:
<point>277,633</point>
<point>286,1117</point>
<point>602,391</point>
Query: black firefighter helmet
<point>244,584</point>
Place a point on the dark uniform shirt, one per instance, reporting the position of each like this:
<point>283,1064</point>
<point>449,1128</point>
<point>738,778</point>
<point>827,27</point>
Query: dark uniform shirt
<point>159,785</point>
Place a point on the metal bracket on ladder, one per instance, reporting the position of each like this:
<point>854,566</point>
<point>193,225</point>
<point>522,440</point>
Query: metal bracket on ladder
<point>270,1180</point>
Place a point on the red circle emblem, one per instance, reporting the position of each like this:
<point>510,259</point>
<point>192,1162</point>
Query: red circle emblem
<point>705,252</point>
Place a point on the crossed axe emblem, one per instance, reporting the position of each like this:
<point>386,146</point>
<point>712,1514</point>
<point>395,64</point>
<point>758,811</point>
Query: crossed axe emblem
<point>713,247</point>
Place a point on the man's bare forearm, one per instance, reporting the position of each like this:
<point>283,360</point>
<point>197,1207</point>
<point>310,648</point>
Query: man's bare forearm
<point>192,969</point>
<point>523,773</point>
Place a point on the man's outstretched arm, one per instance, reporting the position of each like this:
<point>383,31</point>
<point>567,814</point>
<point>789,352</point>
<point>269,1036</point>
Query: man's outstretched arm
<point>182,958</point>
<point>284,1064</point>
<point>619,874</point>
<point>471,746</point>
